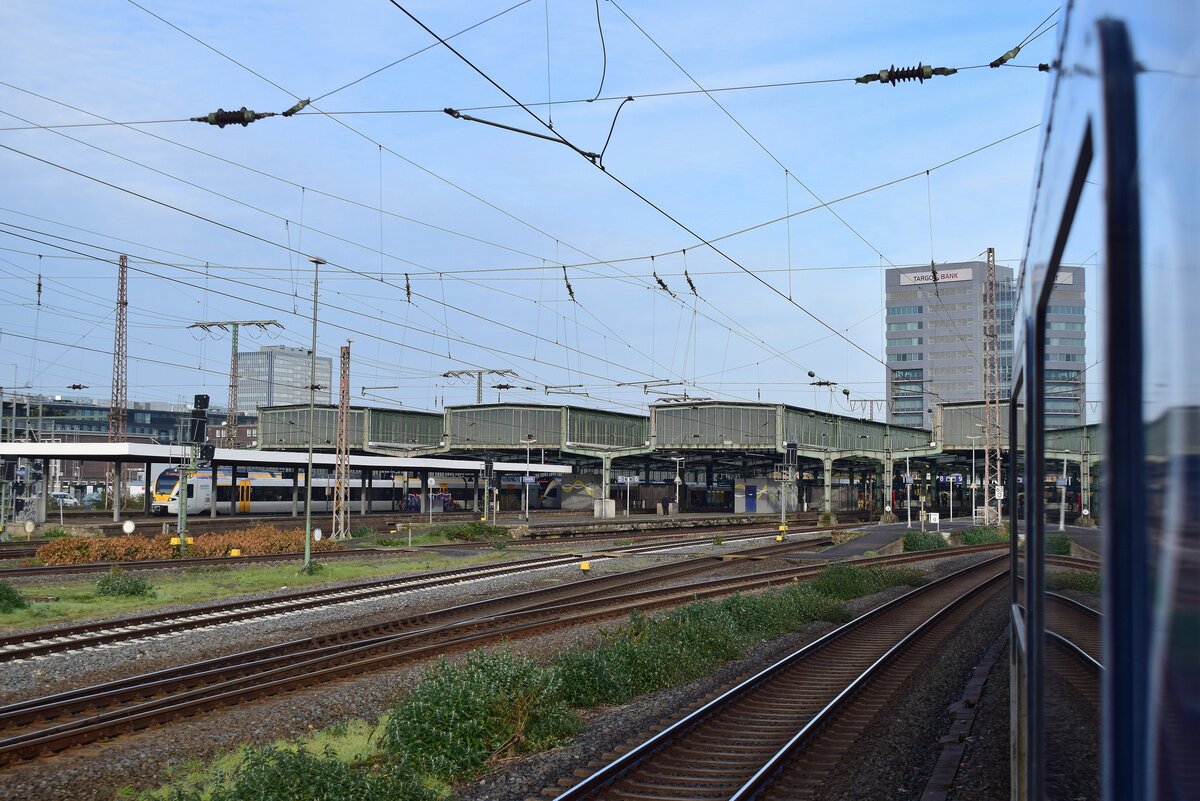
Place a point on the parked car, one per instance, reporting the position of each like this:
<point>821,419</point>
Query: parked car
<point>63,499</point>
<point>93,499</point>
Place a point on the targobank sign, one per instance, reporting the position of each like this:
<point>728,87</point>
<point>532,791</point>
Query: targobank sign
<point>926,277</point>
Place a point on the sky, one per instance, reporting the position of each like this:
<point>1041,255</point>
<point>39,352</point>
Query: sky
<point>445,240</point>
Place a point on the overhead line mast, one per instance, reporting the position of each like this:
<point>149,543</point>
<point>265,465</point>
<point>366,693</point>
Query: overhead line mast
<point>341,496</point>
<point>991,391</point>
<point>118,423</point>
<point>231,436</point>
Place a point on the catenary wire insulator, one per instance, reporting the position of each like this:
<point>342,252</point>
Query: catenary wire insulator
<point>919,73</point>
<point>691,285</point>
<point>567,281</point>
<point>299,106</point>
<point>1007,57</point>
<point>242,117</point>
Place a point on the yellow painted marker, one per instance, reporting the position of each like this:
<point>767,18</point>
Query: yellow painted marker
<point>585,566</point>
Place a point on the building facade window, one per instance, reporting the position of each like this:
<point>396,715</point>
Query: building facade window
<point>904,357</point>
<point>911,326</point>
<point>897,310</point>
<point>897,342</point>
<point>1057,309</point>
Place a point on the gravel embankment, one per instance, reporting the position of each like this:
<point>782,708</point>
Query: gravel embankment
<point>97,771</point>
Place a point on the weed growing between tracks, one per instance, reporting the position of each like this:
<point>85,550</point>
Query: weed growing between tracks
<point>495,704</point>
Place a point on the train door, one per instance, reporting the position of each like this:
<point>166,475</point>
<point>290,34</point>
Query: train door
<point>243,496</point>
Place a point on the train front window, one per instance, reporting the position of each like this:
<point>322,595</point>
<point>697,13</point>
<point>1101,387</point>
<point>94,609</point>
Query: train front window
<point>166,482</point>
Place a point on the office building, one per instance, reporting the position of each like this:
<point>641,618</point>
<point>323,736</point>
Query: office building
<point>276,375</point>
<point>935,341</point>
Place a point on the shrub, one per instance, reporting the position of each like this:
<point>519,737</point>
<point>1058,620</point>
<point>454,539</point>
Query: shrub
<point>118,583</point>
<point>983,535</point>
<point>1081,580</point>
<point>363,531</point>
<point>10,598</point>
<point>255,541</point>
<point>54,533</point>
<point>77,550</point>
<point>460,715</point>
<point>1058,545</point>
<point>294,774</point>
<point>924,541</point>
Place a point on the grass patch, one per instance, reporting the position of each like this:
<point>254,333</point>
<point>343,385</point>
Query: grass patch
<point>363,531</point>
<point>54,533</point>
<point>77,598</point>
<point>10,598</point>
<point>627,541</point>
<point>924,541</point>
<point>1081,580</point>
<point>1058,545</point>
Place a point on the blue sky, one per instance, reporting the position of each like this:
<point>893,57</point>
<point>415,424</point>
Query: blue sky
<point>482,219</point>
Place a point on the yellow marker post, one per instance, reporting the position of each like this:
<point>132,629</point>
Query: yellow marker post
<point>174,540</point>
<point>779,538</point>
<point>191,540</point>
<point>235,551</point>
<point>585,566</point>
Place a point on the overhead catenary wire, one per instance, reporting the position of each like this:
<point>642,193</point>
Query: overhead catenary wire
<point>646,200</point>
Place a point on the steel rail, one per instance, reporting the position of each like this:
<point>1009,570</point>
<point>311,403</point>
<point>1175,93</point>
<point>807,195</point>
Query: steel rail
<point>276,672</point>
<point>625,763</point>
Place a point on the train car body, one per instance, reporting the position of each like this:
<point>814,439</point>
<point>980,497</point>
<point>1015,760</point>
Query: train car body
<point>1115,195</point>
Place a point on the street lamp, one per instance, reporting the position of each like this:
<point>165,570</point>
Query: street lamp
<point>312,413</point>
<point>907,488</point>
<point>1062,496</point>
<point>678,460</point>
<point>977,436</point>
<point>528,440</point>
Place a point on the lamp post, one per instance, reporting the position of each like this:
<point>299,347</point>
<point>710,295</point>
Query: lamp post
<point>977,436</point>
<point>1062,497</point>
<point>528,440</point>
<point>907,489</point>
<point>678,460</point>
<point>312,413</point>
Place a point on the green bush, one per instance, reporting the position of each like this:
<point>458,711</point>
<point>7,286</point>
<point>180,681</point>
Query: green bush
<point>390,542</point>
<point>1081,580</point>
<point>847,581</point>
<point>460,715</point>
<point>1058,545</point>
<point>54,533</point>
<point>10,598</point>
<point>294,774</point>
<point>118,583</point>
<point>363,531</point>
<point>924,541</point>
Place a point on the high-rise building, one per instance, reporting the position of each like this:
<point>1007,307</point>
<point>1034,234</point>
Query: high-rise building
<point>935,341</point>
<point>277,375</point>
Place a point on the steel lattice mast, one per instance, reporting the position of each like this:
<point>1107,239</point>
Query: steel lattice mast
<point>118,422</point>
<point>991,388</point>
<point>341,496</point>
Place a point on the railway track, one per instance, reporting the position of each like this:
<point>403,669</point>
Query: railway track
<point>735,746</point>
<point>46,725</point>
<point>28,644</point>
